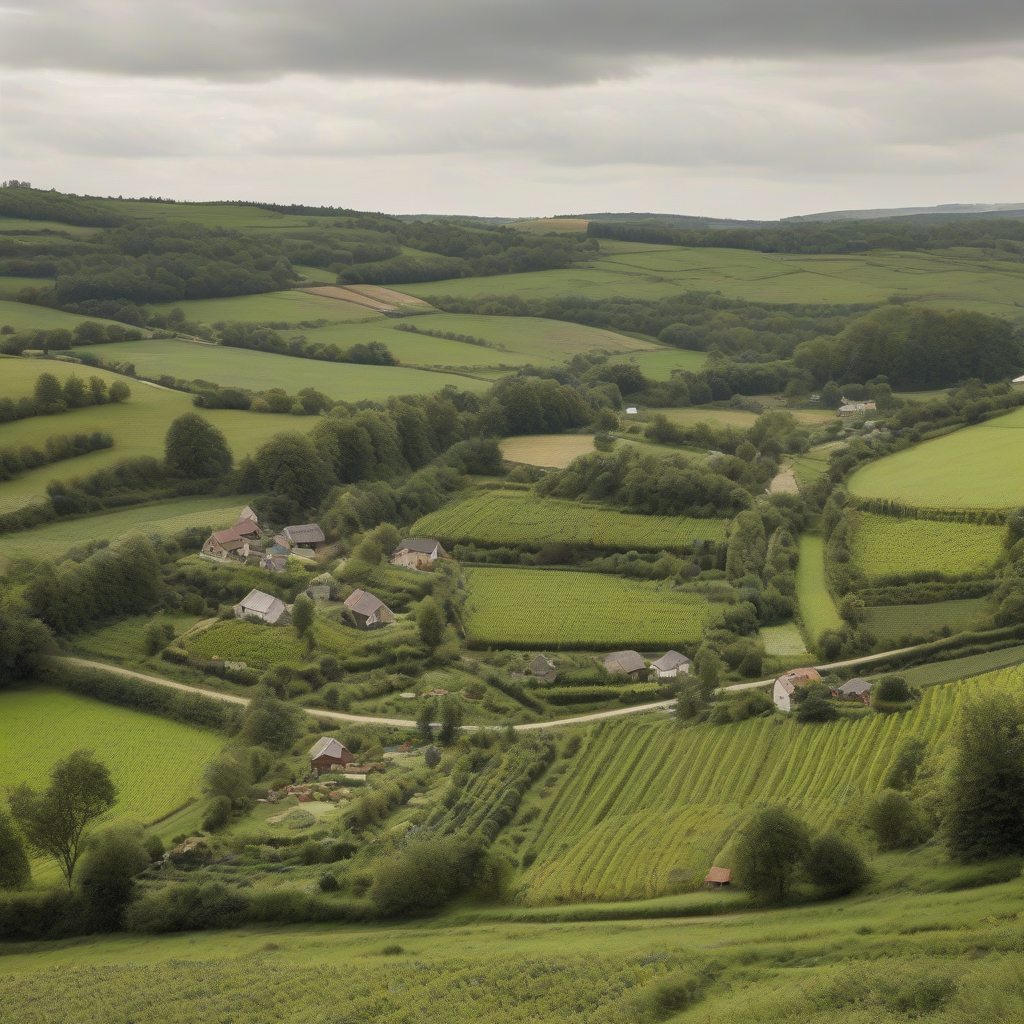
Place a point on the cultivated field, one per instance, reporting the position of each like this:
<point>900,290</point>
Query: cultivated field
<point>816,607</point>
<point>554,451</point>
<point>893,623</point>
<point>513,518</point>
<point>660,364</point>
<point>157,764</point>
<point>782,641</point>
<point>165,519</point>
<point>557,609</point>
<point>884,546</point>
<point>646,808</point>
<point>651,272</point>
<point>23,317</point>
<point>125,641</point>
<point>970,468</point>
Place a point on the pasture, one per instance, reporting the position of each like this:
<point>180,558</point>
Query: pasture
<point>970,468</point>
<point>260,371</point>
<point>163,520</point>
<point>891,624</point>
<point>23,317</point>
<point>565,610</point>
<point>282,307</point>
<point>782,641</point>
<point>516,518</point>
<point>817,610</point>
<point>646,808</point>
<point>125,641</point>
<point>156,764</point>
<point>659,365</point>
<point>885,546</point>
<point>10,286</point>
<point>551,451</point>
<point>636,270</point>
<point>138,426</point>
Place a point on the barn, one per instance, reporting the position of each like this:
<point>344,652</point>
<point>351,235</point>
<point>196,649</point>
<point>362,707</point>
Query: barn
<point>270,609</point>
<point>418,553</point>
<point>369,611</point>
<point>329,754</point>
<point>628,663</point>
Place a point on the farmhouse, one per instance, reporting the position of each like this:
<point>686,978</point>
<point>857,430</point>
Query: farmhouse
<point>300,539</point>
<point>786,685</point>
<point>670,665</point>
<point>226,544</point>
<point>418,553</point>
<point>543,668</point>
<point>628,663</point>
<point>717,877</point>
<point>266,607</point>
<point>855,689</point>
<point>369,611</point>
<point>328,755</point>
<point>848,409</point>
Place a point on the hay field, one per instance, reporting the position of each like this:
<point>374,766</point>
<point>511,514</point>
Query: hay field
<point>885,546</point>
<point>552,451</point>
<point>138,426</point>
<point>650,272</point>
<point>514,518</point>
<point>156,764</point>
<point>893,623</point>
<point>164,519</point>
<point>559,609</point>
<point>976,467</point>
<point>817,609</point>
<point>259,371</point>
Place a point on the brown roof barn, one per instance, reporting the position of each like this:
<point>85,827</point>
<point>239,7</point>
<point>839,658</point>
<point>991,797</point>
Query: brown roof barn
<point>628,663</point>
<point>717,877</point>
<point>369,610</point>
<point>328,753</point>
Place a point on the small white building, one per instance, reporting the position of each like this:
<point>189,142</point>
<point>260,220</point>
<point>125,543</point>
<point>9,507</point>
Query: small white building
<point>670,665</point>
<point>266,607</point>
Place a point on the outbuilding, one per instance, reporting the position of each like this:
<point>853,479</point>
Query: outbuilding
<point>307,536</point>
<point>786,685</point>
<point>855,689</point>
<point>369,611</point>
<point>670,665</point>
<point>418,553</point>
<point>717,877</point>
<point>628,663</point>
<point>265,607</point>
<point>543,668</point>
<point>329,754</point>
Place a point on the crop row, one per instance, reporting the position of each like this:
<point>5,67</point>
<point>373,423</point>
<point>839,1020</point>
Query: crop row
<point>511,518</point>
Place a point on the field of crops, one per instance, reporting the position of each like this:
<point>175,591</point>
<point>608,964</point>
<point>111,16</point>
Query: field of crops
<point>552,451</point>
<point>646,807</point>
<point>125,641</point>
<point>817,610</point>
<point>270,307</point>
<point>512,518</point>
<point>891,623</point>
<point>938,672</point>
<point>783,641</point>
<point>164,519</point>
<point>884,546</point>
<point>157,764</point>
<point>557,609</point>
<point>970,468</point>
<point>651,271</point>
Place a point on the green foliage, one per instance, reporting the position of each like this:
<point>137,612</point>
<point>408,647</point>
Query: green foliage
<point>432,757</point>
<point>903,770</point>
<point>15,870</point>
<point>770,847</point>
<point>891,688</point>
<point>896,822</point>
<point>269,722</point>
<point>230,778</point>
<point>816,705</point>
<point>290,465</point>
<point>195,448</point>
<point>430,623</point>
<point>835,865</point>
<point>22,641</point>
<point>113,860</point>
<point>303,613</point>
<point>451,719</point>
<point>216,815</point>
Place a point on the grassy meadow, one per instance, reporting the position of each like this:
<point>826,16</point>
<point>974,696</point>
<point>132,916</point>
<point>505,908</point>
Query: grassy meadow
<point>817,609</point>
<point>514,518</point>
<point>660,364</point>
<point>10,286</point>
<point>885,546</point>
<point>971,468</point>
<point>552,451</point>
<point>782,641</point>
<point>893,623</point>
<point>560,609</point>
<point>291,306</point>
<point>259,371</point>
<point>23,317</point>
<point>164,519</point>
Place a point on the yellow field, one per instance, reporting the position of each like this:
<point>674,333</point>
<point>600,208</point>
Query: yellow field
<point>552,451</point>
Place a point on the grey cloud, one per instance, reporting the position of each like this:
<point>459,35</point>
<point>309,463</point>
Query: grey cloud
<point>525,42</point>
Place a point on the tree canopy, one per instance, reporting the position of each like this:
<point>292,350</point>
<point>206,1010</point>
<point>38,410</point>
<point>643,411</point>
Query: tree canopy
<point>194,447</point>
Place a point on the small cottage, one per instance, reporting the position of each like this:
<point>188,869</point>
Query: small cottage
<point>369,611</point>
<point>226,544</point>
<point>717,877</point>
<point>855,689</point>
<point>329,755</point>
<point>786,685</point>
<point>627,663</point>
<point>671,665</point>
<point>307,537</point>
<point>418,553</point>
<point>543,668</point>
<point>265,607</point>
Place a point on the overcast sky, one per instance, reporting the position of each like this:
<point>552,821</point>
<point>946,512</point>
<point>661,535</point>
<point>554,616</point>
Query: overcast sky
<point>738,108</point>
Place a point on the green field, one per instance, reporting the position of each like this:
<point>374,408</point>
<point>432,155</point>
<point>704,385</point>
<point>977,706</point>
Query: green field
<point>513,518</point>
<point>23,317</point>
<point>259,371</point>
<point>287,306</point>
<point>164,520</point>
<point>884,546</point>
<point>813,465</point>
<point>817,609</point>
<point>950,671</point>
<point>125,641</point>
<point>976,467</point>
<point>138,426</point>
<point>156,764</point>
<point>660,364</point>
<point>783,641</point>
<point>553,451</point>
<point>558,609</point>
<point>646,808</point>
<point>10,286</point>
<point>892,623</point>
<point>643,271</point>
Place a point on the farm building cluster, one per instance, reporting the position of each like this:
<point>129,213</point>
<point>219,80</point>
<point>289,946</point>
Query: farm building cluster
<point>246,541</point>
<point>787,685</point>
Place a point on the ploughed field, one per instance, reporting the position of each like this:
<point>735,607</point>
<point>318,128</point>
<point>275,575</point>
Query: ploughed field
<point>558,609</point>
<point>517,518</point>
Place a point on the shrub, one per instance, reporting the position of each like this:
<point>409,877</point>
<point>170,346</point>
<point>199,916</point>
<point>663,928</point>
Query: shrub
<point>328,883</point>
<point>425,875</point>
<point>218,810</point>
<point>895,821</point>
<point>835,866</point>
<point>15,871</point>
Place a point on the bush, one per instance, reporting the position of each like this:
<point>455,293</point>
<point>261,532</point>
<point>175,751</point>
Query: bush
<point>218,810</point>
<point>835,866</point>
<point>425,875</point>
<point>895,821</point>
<point>15,871</point>
<point>328,883</point>
<point>107,876</point>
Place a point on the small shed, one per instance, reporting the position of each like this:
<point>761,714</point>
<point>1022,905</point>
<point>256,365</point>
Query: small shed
<point>628,663</point>
<point>270,609</point>
<point>329,754</point>
<point>308,536</point>
<point>543,668</point>
<point>418,552</point>
<point>671,665</point>
<point>855,689</point>
<point>717,877</point>
<point>369,611</point>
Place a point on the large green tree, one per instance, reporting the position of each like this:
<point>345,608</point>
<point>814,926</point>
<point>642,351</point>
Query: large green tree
<point>15,871</point>
<point>770,848</point>
<point>194,447</point>
<point>113,860</point>
<point>22,641</point>
<point>289,465</point>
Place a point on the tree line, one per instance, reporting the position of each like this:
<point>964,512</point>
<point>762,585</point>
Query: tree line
<point>50,397</point>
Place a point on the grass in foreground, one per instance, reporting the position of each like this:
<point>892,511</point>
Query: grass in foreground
<point>815,602</point>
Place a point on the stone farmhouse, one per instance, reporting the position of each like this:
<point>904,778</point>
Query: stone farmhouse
<point>369,611</point>
<point>269,609</point>
<point>786,685</point>
<point>418,553</point>
<point>627,663</point>
<point>671,665</point>
<point>236,542</point>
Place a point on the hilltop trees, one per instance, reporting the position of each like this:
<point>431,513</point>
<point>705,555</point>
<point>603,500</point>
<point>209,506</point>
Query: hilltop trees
<point>22,641</point>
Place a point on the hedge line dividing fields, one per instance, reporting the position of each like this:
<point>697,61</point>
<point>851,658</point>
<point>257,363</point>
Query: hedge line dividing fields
<point>564,610</point>
<point>646,807</point>
<point>515,519</point>
<point>885,547</point>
